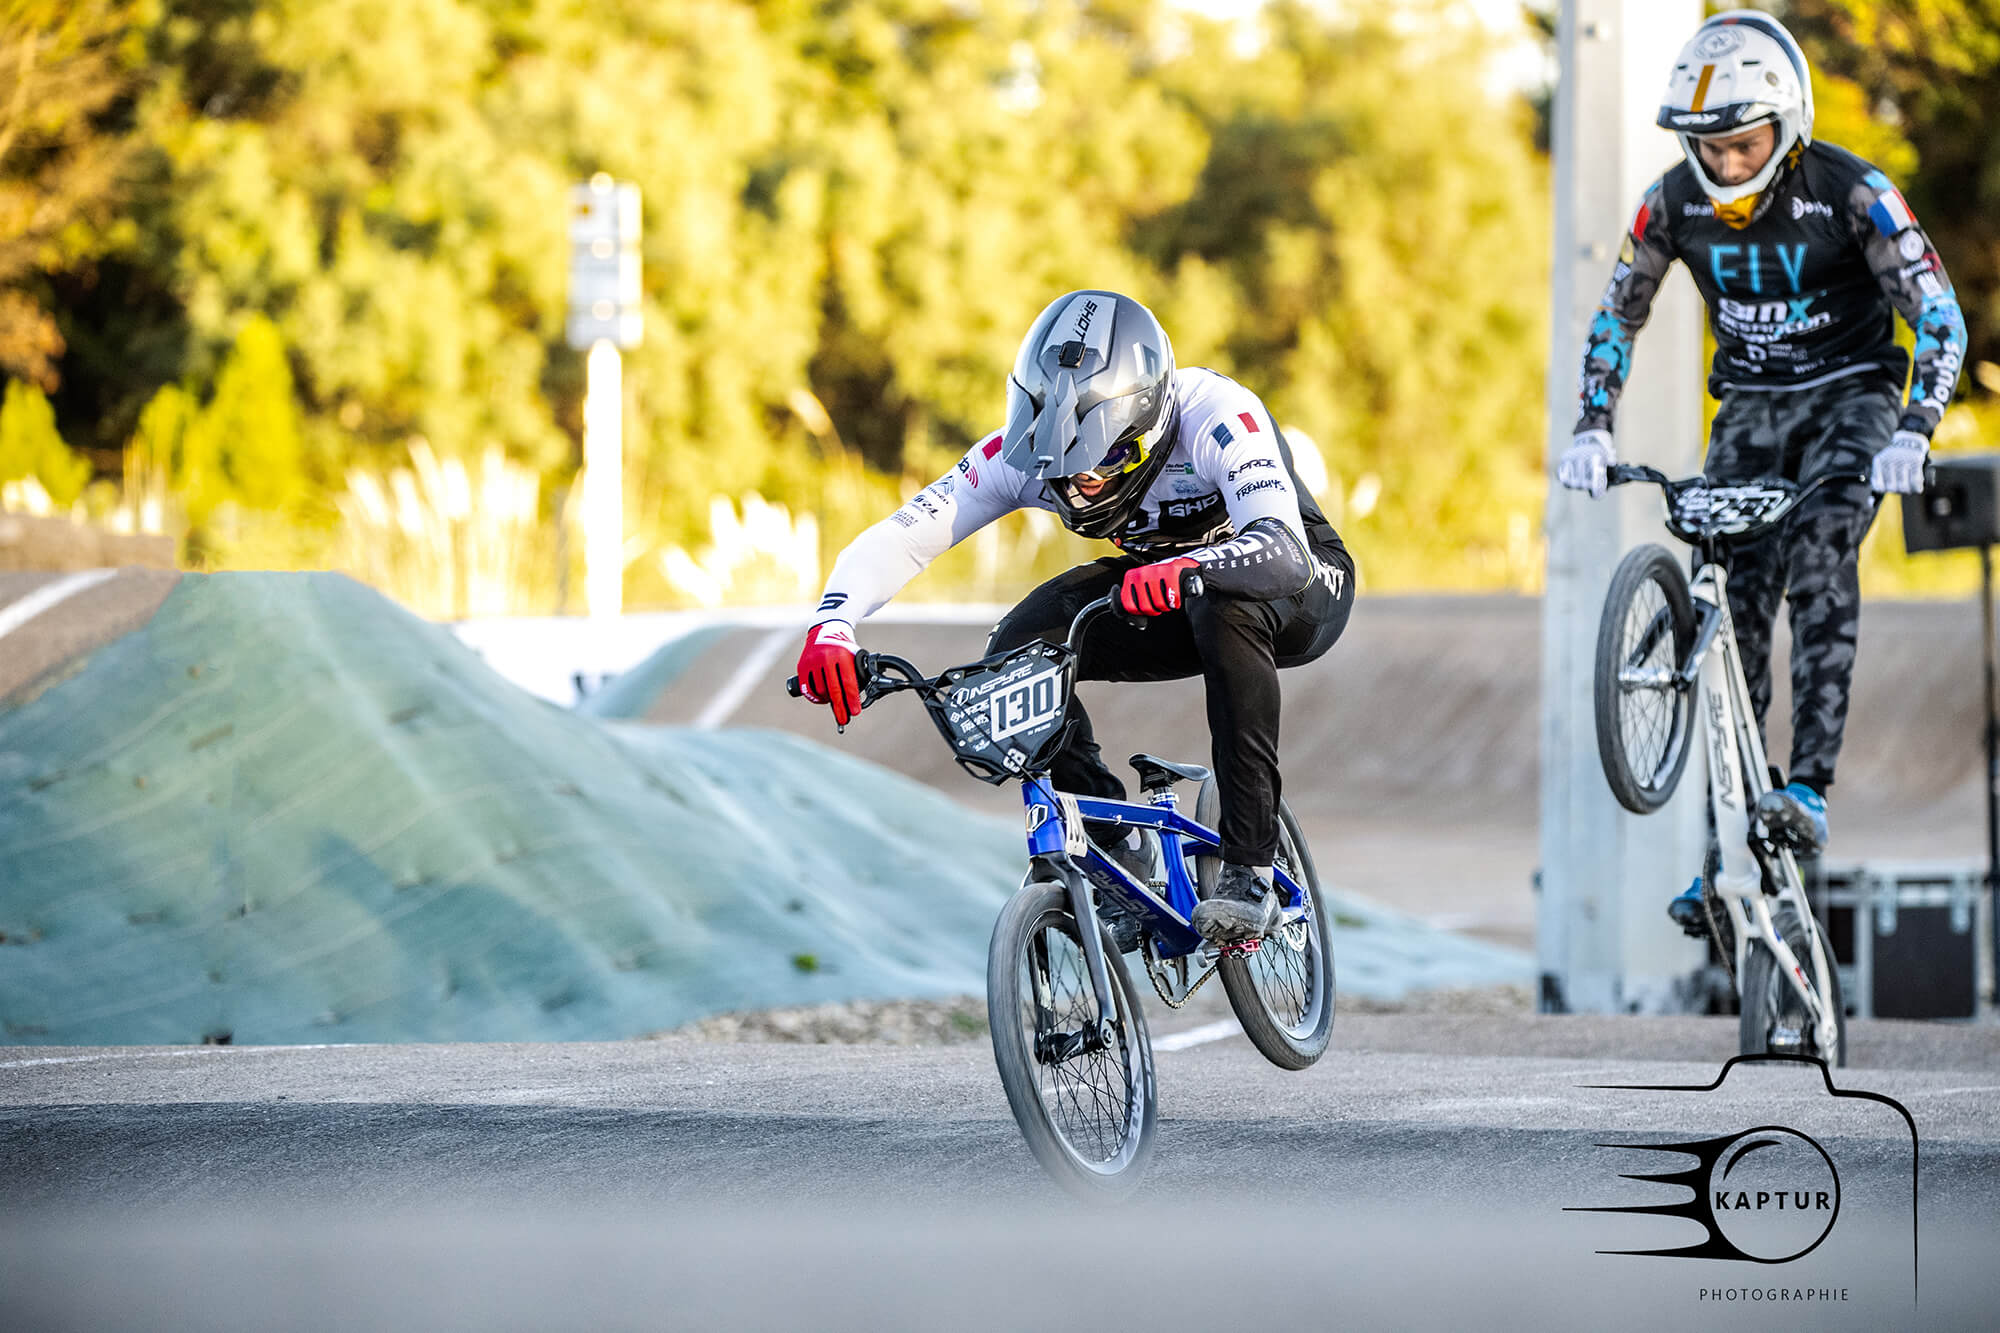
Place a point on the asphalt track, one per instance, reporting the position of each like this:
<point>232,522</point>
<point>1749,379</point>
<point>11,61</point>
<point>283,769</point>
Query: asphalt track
<point>1418,1177</point>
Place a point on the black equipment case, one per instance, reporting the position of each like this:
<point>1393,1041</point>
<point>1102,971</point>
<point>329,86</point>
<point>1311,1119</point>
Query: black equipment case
<point>1907,936</point>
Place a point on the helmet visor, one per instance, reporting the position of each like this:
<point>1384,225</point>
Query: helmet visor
<point>1717,120</point>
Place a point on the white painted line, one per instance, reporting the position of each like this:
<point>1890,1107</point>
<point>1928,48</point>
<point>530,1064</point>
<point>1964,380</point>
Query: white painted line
<point>731,696</point>
<point>154,1055</point>
<point>16,614</point>
<point>1207,1032</point>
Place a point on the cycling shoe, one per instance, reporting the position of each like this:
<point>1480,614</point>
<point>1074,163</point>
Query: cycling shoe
<point>1121,925</point>
<point>1142,863</point>
<point>1796,816</point>
<point>1687,912</point>
<point>1245,906</point>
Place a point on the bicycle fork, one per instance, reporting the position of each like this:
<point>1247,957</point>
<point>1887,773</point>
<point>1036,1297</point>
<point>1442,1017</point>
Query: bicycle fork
<point>1055,840</point>
<point>1729,728</point>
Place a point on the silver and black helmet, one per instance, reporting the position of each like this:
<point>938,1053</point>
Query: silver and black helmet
<point>1092,396</point>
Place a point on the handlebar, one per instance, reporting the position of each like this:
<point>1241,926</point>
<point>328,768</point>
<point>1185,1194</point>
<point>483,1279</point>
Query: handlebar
<point>1620,473</point>
<point>1700,525</point>
<point>873,669</point>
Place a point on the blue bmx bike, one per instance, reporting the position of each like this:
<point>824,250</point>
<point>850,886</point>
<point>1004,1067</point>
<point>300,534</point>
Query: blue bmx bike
<point>1069,1032</point>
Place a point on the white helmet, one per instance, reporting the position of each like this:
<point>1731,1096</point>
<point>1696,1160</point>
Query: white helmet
<point>1739,70</point>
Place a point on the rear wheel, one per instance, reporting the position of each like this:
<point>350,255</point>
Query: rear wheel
<point>1282,991</point>
<point>1773,1020</point>
<point>1083,1096</point>
<point>1645,712</point>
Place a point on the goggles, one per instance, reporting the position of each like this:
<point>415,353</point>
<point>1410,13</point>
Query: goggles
<point>1122,458</point>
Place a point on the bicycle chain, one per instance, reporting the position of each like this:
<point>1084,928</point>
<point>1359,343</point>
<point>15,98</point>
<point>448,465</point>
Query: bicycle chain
<point>1161,991</point>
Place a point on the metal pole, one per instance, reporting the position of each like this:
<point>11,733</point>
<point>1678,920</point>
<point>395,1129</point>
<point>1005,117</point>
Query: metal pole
<point>1992,759</point>
<point>604,480</point>
<point>1603,941</point>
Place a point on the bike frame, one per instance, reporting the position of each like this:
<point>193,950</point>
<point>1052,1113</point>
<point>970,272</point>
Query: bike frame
<point>1058,849</point>
<point>1737,777</point>
<point>1055,830</point>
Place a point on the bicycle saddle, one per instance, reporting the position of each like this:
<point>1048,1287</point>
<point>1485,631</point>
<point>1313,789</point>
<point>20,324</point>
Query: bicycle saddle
<point>1157,772</point>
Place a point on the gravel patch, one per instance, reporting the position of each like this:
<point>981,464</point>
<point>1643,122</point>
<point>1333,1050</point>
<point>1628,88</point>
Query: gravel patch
<point>963,1018</point>
<point>1496,1001</point>
<point>852,1023</point>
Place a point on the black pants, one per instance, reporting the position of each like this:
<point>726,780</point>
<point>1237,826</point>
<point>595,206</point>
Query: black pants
<point>1811,558</point>
<point>1236,646</point>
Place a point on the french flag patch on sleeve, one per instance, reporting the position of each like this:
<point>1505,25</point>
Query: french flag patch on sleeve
<point>1890,214</point>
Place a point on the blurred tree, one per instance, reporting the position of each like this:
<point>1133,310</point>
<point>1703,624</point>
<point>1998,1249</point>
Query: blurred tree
<point>1380,217</point>
<point>852,209</point>
<point>158,444</point>
<point>244,444</point>
<point>63,64</point>
<point>30,445</point>
<point>1914,85</point>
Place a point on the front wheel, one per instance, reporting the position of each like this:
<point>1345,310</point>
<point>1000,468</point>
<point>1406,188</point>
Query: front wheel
<point>1645,712</point>
<point>1282,991</point>
<point>1086,1105</point>
<point>1773,1020</point>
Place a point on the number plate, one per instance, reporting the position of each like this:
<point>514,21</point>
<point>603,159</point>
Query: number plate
<point>1025,706</point>
<point>1002,713</point>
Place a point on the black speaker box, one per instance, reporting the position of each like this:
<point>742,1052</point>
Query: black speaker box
<point>1961,508</point>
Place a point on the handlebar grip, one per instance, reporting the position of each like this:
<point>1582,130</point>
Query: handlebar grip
<point>792,686</point>
<point>1191,586</point>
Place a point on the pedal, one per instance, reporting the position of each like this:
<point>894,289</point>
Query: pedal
<point>1787,1041</point>
<point>1241,948</point>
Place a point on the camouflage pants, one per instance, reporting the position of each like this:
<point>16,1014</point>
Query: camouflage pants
<point>1811,558</point>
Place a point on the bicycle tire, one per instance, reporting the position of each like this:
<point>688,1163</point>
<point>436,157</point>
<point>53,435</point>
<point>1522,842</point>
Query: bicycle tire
<point>1292,968</point>
<point>1768,999</point>
<point>1106,1167</point>
<point>1630,629</point>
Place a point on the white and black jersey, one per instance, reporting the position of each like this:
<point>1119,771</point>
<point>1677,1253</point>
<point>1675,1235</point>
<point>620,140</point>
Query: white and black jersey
<point>1226,469</point>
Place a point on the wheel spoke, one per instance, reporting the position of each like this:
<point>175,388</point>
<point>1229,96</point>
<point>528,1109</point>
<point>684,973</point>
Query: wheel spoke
<point>1285,971</point>
<point>1089,1096</point>
<point>1650,702</point>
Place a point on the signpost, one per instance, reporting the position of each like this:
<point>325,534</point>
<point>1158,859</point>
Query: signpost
<point>603,318</point>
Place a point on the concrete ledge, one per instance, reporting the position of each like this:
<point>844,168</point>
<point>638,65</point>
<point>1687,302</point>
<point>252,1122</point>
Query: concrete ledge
<point>56,544</point>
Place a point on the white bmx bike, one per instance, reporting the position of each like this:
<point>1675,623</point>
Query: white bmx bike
<point>1667,664</point>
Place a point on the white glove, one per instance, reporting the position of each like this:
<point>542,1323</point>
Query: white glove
<point>1586,464</point>
<point>1900,466</point>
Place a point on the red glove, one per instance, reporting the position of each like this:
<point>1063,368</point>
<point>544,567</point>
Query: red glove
<point>1155,589</point>
<point>826,670</point>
